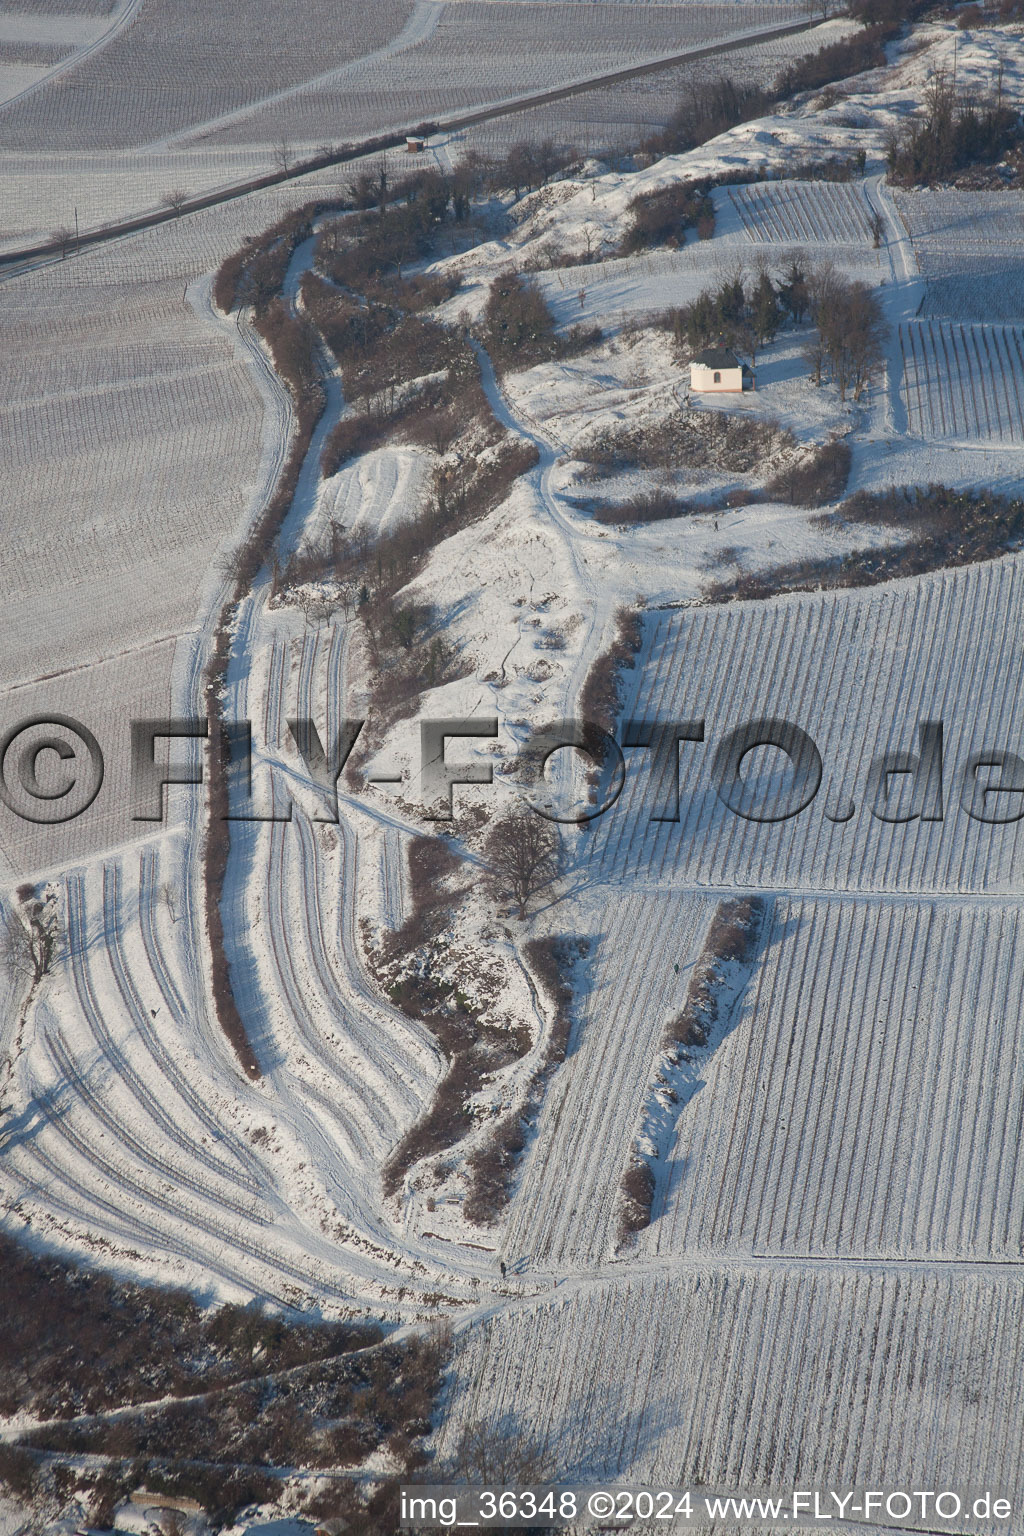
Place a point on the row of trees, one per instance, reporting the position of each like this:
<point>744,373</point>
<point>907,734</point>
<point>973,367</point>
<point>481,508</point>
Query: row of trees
<point>846,346</point>
<point>953,132</point>
<point>848,342</point>
<point>746,313</point>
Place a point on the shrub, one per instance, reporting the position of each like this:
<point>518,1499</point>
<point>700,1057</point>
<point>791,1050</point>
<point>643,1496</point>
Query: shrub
<point>650,507</point>
<point>18,1472</point>
<point>600,696</point>
<point>813,481</point>
<point>954,528</point>
<point>492,1168</point>
<point>446,1121</point>
<point>519,329</point>
<point>550,960</point>
<point>637,1189</point>
<point>730,938</point>
<point>662,217</point>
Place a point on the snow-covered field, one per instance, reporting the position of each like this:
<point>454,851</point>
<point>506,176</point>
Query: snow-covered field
<point>829,1289</point>
<point>767,1375</point>
<point>857,671</point>
<point>482,51</point>
<point>865,1104</point>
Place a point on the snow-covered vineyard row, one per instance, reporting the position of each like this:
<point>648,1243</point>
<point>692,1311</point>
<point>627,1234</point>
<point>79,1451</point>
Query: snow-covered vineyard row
<point>964,381</point>
<point>491,50</point>
<point>947,218</point>
<point>868,1101</point>
<point>857,671</point>
<point>761,1376</point>
<point>129,1089</point>
<point>794,211</point>
<point>178,74</point>
<point>563,1215</point>
<point>139,415</point>
<point>618,116</point>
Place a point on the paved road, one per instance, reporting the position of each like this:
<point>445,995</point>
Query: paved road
<point>52,248</point>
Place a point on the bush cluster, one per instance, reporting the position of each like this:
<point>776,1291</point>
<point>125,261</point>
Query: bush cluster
<point>492,1167</point>
<point>601,694</point>
<point>220,1448</point>
<point>77,1341</point>
<point>953,528</point>
<point>662,217</point>
<point>404,967</point>
<point>709,107</point>
<point>637,1197</point>
<point>837,61</point>
<point>954,132</point>
<point>519,329</point>
<point>813,481</point>
<point>731,937</point>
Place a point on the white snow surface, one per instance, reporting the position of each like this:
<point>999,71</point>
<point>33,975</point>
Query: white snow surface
<point>845,1173</point>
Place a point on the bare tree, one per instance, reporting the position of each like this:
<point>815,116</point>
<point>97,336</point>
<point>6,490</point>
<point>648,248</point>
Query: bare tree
<point>175,200</point>
<point>851,333</point>
<point>30,938</point>
<point>169,897</point>
<point>317,607</point>
<point>522,852</point>
<point>822,285</point>
<point>64,236</point>
<point>283,156</point>
<point>504,1456</point>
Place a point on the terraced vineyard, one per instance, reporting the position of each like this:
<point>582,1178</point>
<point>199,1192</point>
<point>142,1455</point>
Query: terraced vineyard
<point>133,1089</point>
<point>964,381</point>
<point>868,1103</point>
<point>797,211</point>
<point>857,671</point>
